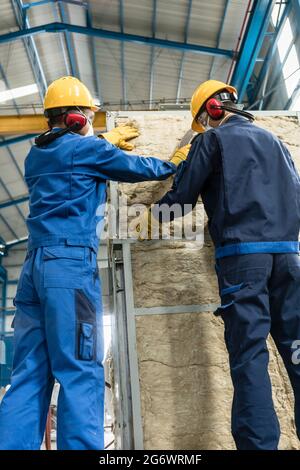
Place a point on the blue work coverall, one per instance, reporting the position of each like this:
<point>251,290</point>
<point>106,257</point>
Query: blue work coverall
<point>251,193</point>
<point>58,321</point>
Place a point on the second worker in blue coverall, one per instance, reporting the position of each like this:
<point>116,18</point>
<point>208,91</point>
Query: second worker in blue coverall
<point>58,321</point>
<point>251,193</point>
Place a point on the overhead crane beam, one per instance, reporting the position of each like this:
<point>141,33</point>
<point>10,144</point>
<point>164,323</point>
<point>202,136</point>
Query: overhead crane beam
<point>37,123</point>
<point>114,35</point>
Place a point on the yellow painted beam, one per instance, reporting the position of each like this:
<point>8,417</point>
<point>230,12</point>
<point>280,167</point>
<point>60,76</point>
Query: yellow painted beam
<point>36,123</point>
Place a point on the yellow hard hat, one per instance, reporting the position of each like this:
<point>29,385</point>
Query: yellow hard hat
<point>204,91</point>
<point>68,91</point>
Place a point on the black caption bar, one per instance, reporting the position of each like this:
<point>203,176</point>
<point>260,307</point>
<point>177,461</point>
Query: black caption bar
<point>136,459</point>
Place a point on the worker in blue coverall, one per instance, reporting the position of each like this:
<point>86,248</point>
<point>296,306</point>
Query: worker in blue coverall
<point>58,321</point>
<point>251,193</point>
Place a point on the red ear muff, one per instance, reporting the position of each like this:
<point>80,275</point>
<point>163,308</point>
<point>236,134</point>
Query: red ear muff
<point>215,109</point>
<point>77,120</point>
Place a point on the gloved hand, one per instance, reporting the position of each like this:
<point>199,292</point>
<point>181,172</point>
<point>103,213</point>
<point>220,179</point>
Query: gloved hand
<point>180,154</point>
<point>119,136</point>
<point>146,226</point>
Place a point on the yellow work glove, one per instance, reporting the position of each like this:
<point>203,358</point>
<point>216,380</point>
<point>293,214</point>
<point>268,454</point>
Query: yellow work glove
<point>120,135</point>
<point>146,225</point>
<point>180,154</point>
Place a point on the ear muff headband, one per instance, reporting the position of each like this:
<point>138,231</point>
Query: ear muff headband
<point>216,110</point>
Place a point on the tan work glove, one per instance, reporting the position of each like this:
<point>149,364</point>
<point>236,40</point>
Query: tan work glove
<point>120,135</point>
<point>180,154</point>
<point>147,225</point>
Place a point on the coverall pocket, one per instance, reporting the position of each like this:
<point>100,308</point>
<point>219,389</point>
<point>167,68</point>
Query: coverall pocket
<point>86,342</point>
<point>237,287</point>
<point>227,299</point>
<point>86,327</point>
<point>64,266</point>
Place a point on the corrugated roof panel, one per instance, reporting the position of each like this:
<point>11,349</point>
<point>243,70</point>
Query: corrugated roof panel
<point>171,19</point>
<point>137,66</point>
<point>5,233</point>
<point>15,64</point>
<point>49,50</point>
<point>233,22</point>
<point>108,56</point>
<point>166,66</point>
<point>12,181</point>
<point>40,14</point>
<point>195,70</point>
<point>138,17</point>
<point>8,23</point>
<point>106,15</point>
<point>13,218</point>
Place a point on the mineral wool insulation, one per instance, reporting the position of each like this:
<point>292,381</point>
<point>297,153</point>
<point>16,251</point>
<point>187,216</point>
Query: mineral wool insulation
<point>185,383</point>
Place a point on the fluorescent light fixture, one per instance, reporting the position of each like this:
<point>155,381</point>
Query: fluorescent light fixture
<point>19,92</point>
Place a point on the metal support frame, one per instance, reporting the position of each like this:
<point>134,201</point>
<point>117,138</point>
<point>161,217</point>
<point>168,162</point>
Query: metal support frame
<point>123,68</point>
<point>13,202</point>
<point>30,46</point>
<point>271,52</point>
<point>153,26</point>
<point>89,24</point>
<point>186,32</point>
<point>44,2</point>
<point>17,241</point>
<point>61,38</point>
<point>219,34</point>
<point>69,42</point>
<point>16,140</point>
<point>114,35</point>
<point>3,283</point>
<point>293,96</point>
<point>251,45</point>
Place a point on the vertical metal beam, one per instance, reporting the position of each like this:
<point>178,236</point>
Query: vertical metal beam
<point>293,96</point>
<point>70,47</point>
<point>219,35</point>
<point>123,69</point>
<point>271,51</point>
<point>3,278</point>
<point>61,40</point>
<point>154,16</point>
<point>132,351</point>
<point>186,32</point>
<point>251,45</point>
<point>277,74</point>
<point>89,23</point>
<point>30,46</point>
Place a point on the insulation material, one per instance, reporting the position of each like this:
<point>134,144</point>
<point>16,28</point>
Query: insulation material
<point>185,383</point>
